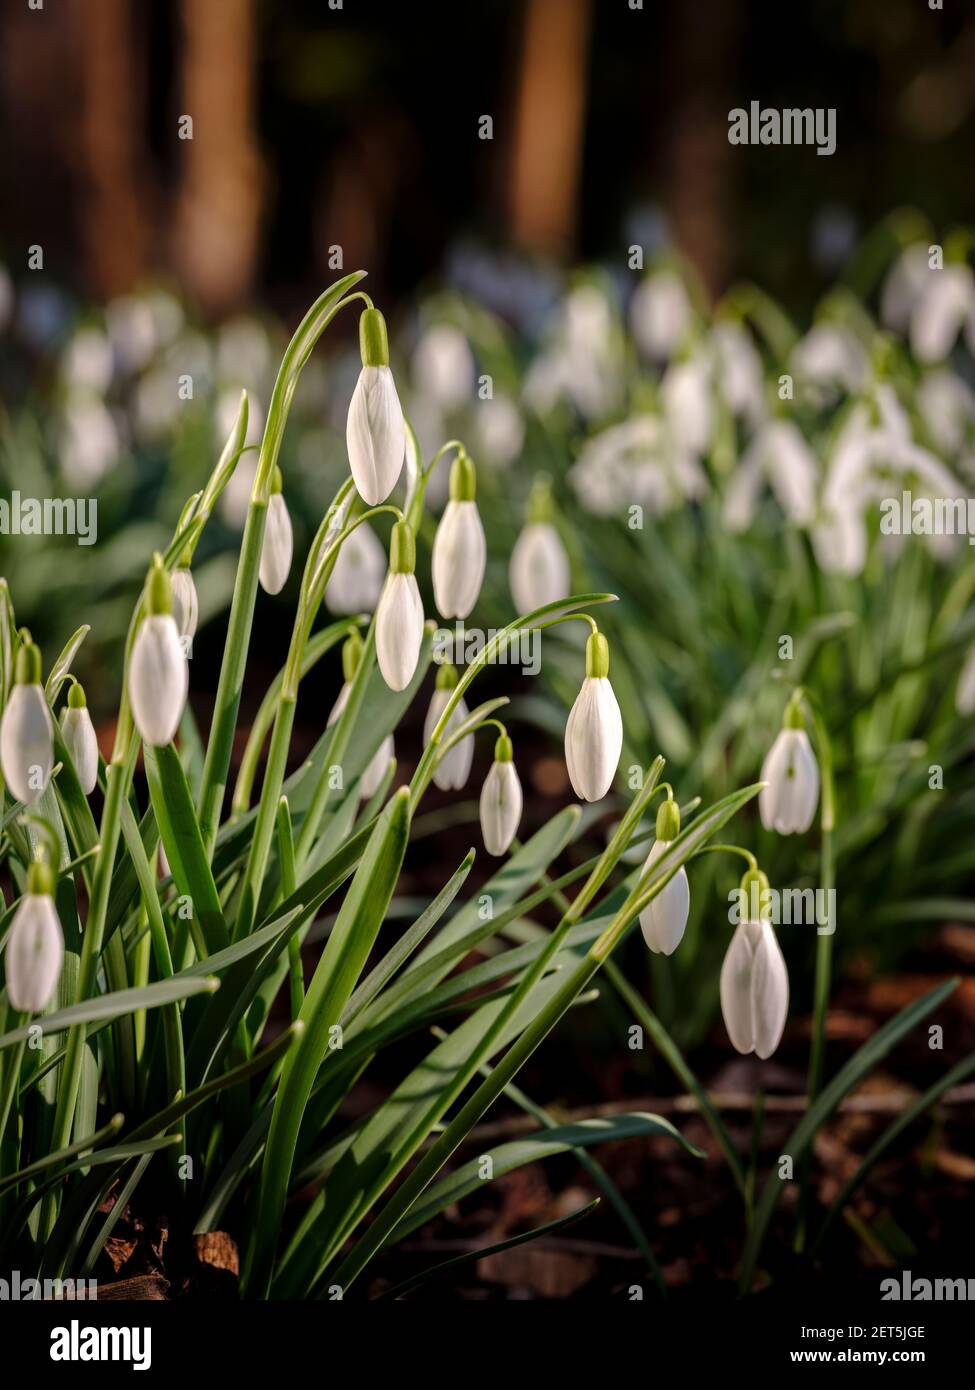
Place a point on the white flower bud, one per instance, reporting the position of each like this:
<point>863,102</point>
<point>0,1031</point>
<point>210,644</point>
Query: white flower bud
<point>27,730</point>
<point>357,577</point>
<point>186,607</point>
<point>539,568</point>
<point>35,947</point>
<point>454,768</point>
<point>399,613</point>
<point>788,803</point>
<point>277,547</point>
<point>459,547</point>
<point>375,435</point>
<point>754,989</point>
<point>158,672</point>
<point>665,916</point>
<point>79,739</point>
<point>594,729</point>
<point>501,801</point>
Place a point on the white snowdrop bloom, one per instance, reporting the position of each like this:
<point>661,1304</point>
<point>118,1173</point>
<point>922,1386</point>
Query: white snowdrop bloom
<point>538,572</point>
<point>501,800</point>
<point>399,612</point>
<point>685,395</point>
<point>278,545</point>
<point>664,918</point>
<point>27,729</point>
<point>582,361</point>
<point>788,802</point>
<point>186,605</point>
<point>376,769</point>
<point>443,366</point>
<point>35,945</point>
<point>158,673</point>
<point>375,435</point>
<point>87,362</point>
<point>780,451</point>
<point>357,578</point>
<point>739,369</point>
<point>454,767</point>
<point>754,988</point>
<point>79,738</point>
<point>965,689</point>
<point>830,355</point>
<point>132,330</point>
<point>640,462</point>
<point>89,443</point>
<point>944,307</point>
<point>500,429</point>
<point>594,729</point>
<point>840,541</point>
<point>660,314</point>
<point>459,547</point>
<point>903,287</point>
<point>947,406</point>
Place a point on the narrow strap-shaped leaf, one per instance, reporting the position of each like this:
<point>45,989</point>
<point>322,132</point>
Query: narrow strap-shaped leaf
<point>107,1006</point>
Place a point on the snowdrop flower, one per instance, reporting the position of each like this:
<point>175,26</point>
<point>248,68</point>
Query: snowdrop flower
<point>685,394</point>
<point>903,287</point>
<point>965,689</point>
<point>443,366</point>
<point>788,802</point>
<point>660,314</point>
<point>89,444</point>
<point>501,800</point>
<point>375,435</point>
<point>779,452</point>
<point>357,578</point>
<point>79,738</point>
<point>946,303</point>
<point>158,674</point>
<point>453,769</point>
<point>35,946</point>
<point>594,729</point>
<point>27,730</point>
<point>664,918</point>
<point>947,406</point>
<point>399,613</point>
<point>638,461</point>
<point>372,778</point>
<point>186,606</point>
<point>739,369</point>
<point>352,650</point>
<point>459,547</point>
<point>88,363</point>
<point>754,982</point>
<point>538,572</point>
<point>278,545</point>
<point>829,355</point>
<point>500,429</point>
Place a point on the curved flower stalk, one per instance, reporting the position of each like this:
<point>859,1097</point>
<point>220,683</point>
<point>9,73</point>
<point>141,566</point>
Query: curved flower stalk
<point>375,435</point>
<point>538,572</point>
<point>158,670</point>
<point>79,738</point>
<point>27,730</point>
<point>399,613</point>
<point>357,577</point>
<point>35,947</point>
<point>594,729</point>
<point>754,977</point>
<point>664,918</point>
<point>454,768</point>
<point>787,803</point>
<point>501,800</point>
<point>278,545</point>
<point>459,547</point>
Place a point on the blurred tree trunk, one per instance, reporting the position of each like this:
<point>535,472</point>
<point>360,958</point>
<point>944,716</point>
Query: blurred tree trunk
<point>218,213</point>
<point>549,115</point>
<point>698,161</point>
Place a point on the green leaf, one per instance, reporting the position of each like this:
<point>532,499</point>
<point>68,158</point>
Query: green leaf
<point>59,671</point>
<point>122,1002</point>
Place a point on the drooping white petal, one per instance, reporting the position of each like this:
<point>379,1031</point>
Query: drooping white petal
<point>459,558</point>
<point>454,768</point>
<point>378,763</point>
<point>593,739</point>
<point>34,954</point>
<point>278,545</point>
<point>186,608</point>
<point>769,992</point>
<point>158,679</point>
<point>660,314</point>
<point>357,578</point>
<point>942,307</point>
<point>664,918</point>
<point>788,803</point>
<point>539,568</point>
<point>685,395</point>
<point>80,741</point>
<point>735,986</point>
<point>399,630</point>
<point>500,807</point>
<point>27,742</point>
<point>375,435</point>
